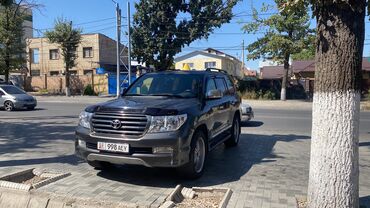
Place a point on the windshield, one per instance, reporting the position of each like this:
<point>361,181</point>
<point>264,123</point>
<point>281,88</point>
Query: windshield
<point>12,90</point>
<point>176,85</point>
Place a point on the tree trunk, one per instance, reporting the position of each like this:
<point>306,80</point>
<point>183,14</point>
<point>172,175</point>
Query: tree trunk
<point>68,90</point>
<point>285,78</point>
<point>334,171</point>
<point>7,67</point>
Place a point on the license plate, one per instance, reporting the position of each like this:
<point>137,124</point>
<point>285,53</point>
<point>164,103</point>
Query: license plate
<point>113,147</point>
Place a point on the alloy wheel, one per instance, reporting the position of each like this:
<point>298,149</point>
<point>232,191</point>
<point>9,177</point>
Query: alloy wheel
<point>199,155</point>
<point>8,106</point>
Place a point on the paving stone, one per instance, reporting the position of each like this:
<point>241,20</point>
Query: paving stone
<point>14,200</point>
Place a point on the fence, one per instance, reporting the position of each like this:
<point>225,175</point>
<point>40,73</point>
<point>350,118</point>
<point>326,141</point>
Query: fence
<point>56,84</point>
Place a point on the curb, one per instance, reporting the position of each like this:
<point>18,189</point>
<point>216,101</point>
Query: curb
<point>180,193</point>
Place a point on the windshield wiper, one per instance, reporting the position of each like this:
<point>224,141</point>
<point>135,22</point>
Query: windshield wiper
<point>167,95</point>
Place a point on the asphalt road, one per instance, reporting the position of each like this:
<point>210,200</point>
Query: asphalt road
<point>272,164</point>
<point>269,120</point>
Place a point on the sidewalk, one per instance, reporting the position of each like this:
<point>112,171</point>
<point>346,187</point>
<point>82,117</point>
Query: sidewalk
<point>278,104</point>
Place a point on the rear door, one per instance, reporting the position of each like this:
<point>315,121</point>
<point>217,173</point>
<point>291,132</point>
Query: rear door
<point>224,104</point>
<point>212,109</point>
<point>232,97</point>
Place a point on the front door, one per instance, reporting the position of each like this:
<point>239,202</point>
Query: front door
<point>2,100</point>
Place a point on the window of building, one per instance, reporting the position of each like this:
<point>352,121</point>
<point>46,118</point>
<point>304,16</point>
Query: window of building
<point>54,73</point>
<point>72,72</point>
<point>54,54</point>
<point>88,71</point>
<point>87,52</point>
<point>35,72</point>
<point>35,55</point>
<point>211,64</point>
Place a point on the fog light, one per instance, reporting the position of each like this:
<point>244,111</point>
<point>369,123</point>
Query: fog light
<point>81,143</point>
<point>162,150</point>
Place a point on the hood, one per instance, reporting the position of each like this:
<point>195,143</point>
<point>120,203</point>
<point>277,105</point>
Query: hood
<point>149,105</point>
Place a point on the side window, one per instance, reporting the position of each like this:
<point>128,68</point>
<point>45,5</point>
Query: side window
<point>1,93</point>
<point>220,83</point>
<point>230,86</point>
<point>210,85</point>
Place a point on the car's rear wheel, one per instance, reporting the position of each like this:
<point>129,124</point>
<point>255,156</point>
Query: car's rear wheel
<point>9,106</point>
<point>100,165</point>
<point>31,108</point>
<point>235,133</point>
<point>198,154</point>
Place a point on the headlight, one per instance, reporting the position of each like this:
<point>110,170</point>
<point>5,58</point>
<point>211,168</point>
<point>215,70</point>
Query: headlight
<point>84,119</point>
<point>166,123</point>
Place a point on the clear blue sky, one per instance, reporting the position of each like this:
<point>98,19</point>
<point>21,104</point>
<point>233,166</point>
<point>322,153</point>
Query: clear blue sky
<point>98,16</point>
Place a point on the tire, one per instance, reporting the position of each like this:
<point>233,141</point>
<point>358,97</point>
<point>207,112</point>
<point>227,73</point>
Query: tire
<point>100,165</point>
<point>8,106</point>
<point>235,133</point>
<point>197,158</point>
<point>31,108</point>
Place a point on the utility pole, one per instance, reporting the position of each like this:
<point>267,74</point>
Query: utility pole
<point>243,55</point>
<point>129,42</point>
<point>118,13</point>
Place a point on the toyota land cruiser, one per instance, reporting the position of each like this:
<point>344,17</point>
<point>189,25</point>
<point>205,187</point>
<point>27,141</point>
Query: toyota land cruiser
<point>164,119</point>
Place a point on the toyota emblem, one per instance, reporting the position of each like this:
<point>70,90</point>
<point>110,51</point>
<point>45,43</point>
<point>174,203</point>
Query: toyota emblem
<point>116,124</point>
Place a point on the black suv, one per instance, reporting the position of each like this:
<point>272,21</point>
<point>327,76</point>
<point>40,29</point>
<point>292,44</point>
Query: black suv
<point>164,119</point>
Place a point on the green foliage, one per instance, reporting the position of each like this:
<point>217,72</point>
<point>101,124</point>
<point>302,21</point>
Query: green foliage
<point>12,45</point>
<point>89,90</point>
<point>68,38</point>
<point>158,33</point>
<point>255,94</point>
<point>286,33</point>
<point>368,95</point>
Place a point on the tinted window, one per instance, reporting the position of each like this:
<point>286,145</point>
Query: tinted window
<point>220,83</point>
<point>211,85</point>
<point>12,90</point>
<point>230,86</point>
<point>1,93</point>
<point>182,85</point>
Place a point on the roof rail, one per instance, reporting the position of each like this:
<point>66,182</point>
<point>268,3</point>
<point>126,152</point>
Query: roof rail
<point>216,69</point>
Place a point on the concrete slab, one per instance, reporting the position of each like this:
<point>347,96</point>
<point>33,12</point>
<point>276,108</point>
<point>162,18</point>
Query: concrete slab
<point>14,200</point>
<point>55,204</point>
<point>39,202</point>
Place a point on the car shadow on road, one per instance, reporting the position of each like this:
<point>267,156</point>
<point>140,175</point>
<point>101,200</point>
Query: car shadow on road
<point>224,165</point>
<point>252,123</point>
<point>362,144</point>
<point>365,202</point>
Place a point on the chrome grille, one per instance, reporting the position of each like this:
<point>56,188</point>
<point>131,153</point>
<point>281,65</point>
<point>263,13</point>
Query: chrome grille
<point>131,124</point>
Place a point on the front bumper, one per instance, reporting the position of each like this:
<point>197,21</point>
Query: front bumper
<point>24,104</point>
<point>141,149</point>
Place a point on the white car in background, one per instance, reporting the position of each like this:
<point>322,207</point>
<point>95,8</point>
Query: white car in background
<point>247,112</point>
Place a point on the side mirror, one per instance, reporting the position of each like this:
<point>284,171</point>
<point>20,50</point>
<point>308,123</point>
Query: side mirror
<point>123,90</point>
<point>213,94</point>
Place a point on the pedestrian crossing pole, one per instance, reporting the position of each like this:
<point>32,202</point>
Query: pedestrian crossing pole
<point>118,14</point>
<point>129,42</point>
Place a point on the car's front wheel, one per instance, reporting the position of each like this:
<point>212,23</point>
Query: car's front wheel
<point>198,154</point>
<point>9,106</point>
<point>100,165</point>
